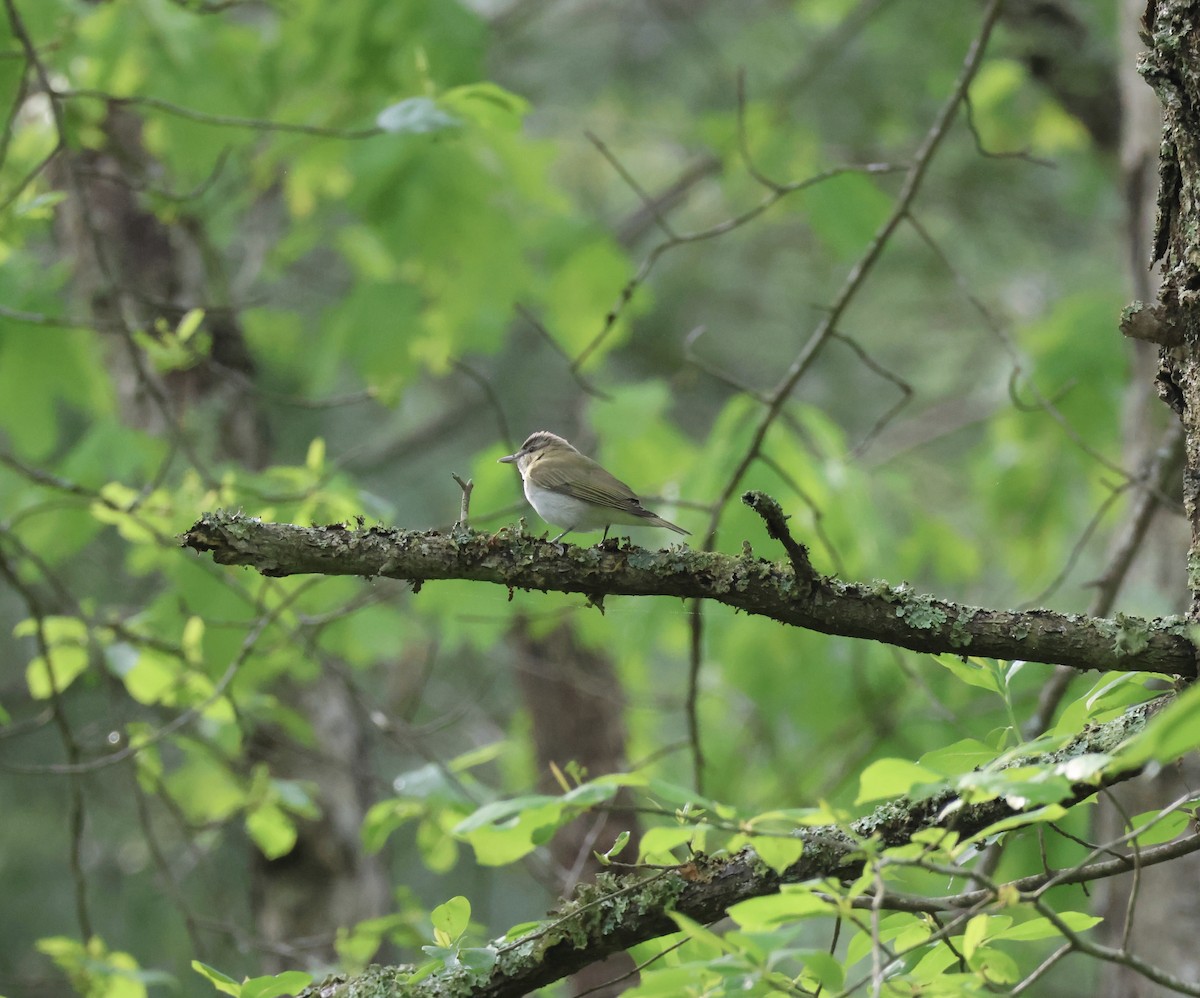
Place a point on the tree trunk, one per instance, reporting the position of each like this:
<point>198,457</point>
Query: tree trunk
<point>1160,924</point>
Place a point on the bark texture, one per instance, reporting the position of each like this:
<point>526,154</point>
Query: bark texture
<point>1162,917</point>
<point>782,591</point>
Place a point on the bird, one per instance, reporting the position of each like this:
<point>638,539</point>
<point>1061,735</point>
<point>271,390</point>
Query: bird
<point>570,490</point>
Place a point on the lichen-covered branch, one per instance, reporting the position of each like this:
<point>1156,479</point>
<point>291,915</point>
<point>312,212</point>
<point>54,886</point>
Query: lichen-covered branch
<point>619,911</point>
<point>892,614</point>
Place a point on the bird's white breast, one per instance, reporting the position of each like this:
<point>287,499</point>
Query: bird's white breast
<point>567,512</point>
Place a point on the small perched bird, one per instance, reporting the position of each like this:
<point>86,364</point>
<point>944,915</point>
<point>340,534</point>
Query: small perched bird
<point>572,491</point>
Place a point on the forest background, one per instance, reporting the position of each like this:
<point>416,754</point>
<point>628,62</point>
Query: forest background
<point>309,261</point>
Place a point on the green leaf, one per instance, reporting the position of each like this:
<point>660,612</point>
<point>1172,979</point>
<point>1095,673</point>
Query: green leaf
<point>150,676</point>
<point>584,287</point>
<point>893,778</point>
<point>451,918</point>
<point>672,982</point>
<point>504,831</point>
<point>656,844</point>
<point>481,756</point>
<point>791,904</point>
<point>1163,830</point>
<point>824,969</point>
<point>479,960</point>
<point>447,955</point>
<point>487,104</point>
<point>272,830</point>
<point>589,794</point>
<point>439,850</point>
<point>56,629</point>
<point>976,932</point>
<point>188,325</point>
<point>44,377</point>
<point>502,813</point>
<point>615,849</point>
<point>973,671</point>
<point>845,211</point>
<point>505,841</point>
<point>1171,733</point>
<point>958,758</point>
<point>94,969</point>
<point>891,927</point>
<point>65,666</point>
<point>778,852</point>
<point>192,640</point>
<point>710,944</point>
<point>314,460</point>
<point>1109,695</point>
<point>1042,928</point>
<point>290,982</point>
<point>1041,815</point>
<point>384,817</point>
<point>358,943</point>
<point>66,641</point>
<point>996,966</point>
<point>222,982</point>
<point>1020,786</point>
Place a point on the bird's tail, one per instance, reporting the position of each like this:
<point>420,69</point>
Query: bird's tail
<point>658,521</point>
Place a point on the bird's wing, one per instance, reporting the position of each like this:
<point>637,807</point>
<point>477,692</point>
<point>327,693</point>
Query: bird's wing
<point>607,491</point>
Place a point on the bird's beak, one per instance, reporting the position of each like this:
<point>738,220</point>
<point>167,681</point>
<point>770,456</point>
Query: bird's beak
<point>508,459</point>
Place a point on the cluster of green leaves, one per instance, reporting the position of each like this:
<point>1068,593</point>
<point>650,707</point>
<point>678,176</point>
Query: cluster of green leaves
<point>772,947</point>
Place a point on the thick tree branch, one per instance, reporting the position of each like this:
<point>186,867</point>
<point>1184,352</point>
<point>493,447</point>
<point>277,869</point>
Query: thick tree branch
<point>892,614</point>
<point>620,911</point>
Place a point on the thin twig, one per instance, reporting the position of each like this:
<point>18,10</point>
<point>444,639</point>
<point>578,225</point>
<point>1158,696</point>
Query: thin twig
<point>863,267</point>
<point>775,193</point>
<point>713,371</point>
<point>572,367</point>
<point>1024,154</point>
<point>464,513</point>
<point>906,392</point>
<point>692,701</point>
<point>218,120</point>
<point>493,400</point>
<point>1163,469</point>
<point>651,204</point>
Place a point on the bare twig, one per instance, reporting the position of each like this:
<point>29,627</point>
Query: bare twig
<point>218,120</point>
<point>691,708</point>
<point>572,367</point>
<point>1163,469</point>
<point>775,193</point>
<point>465,510</point>
<point>905,389</point>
